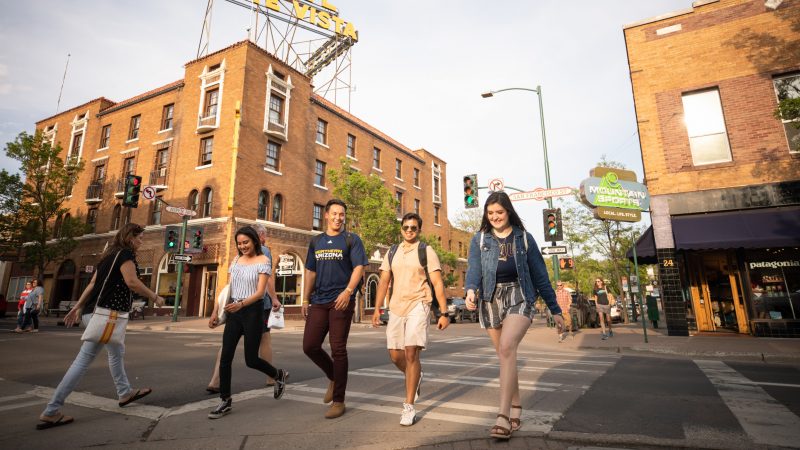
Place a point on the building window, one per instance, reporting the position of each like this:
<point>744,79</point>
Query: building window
<point>275,109</point>
<point>351,146</point>
<point>159,175</point>
<point>206,148</point>
<point>437,177</point>
<point>319,173</point>
<point>436,215</point>
<point>105,136</point>
<point>75,148</point>
<point>398,169</point>
<point>194,200</point>
<point>416,206</point>
<point>788,87</point>
<point>399,207</point>
<point>128,167</point>
<point>155,214</point>
<point>211,102</point>
<point>206,198</point>
<point>705,124</point>
<point>316,222</point>
<point>322,132</point>
<point>273,155</point>
<point>166,117</point>
<point>99,173</point>
<point>263,201</point>
<point>134,130</point>
<point>116,216</point>
<point>91,219</point>
<point>416,177</point>
<point>126,215</point>
<point>277,208</point>
<point>376,158</point>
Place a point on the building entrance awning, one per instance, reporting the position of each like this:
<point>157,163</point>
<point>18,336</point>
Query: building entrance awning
<point>645,248</point>
<point>759,228</point>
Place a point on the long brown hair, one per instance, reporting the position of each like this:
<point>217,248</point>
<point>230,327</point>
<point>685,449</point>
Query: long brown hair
<point>122,240</point>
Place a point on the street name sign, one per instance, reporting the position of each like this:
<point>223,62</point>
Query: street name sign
<point>554,250</point>
<point>184,258</point>
<point>181,211</point>
<point>541,194</point>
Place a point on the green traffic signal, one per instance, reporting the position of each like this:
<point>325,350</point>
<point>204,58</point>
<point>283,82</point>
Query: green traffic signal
<point>471,191</point>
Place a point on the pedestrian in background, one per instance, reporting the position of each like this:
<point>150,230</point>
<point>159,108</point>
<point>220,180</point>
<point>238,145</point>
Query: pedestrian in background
<point>413,287</point>
<point>564,299</point>
<point>334,267</point>
<point>120,272</point>
<point>36,300</point>
<point>22,306</point>
<point>249,276</point>
<point>505,266</point>
<point>270,301</point>
<point>601,299</point>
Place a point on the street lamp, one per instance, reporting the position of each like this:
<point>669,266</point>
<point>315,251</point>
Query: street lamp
<point>538,92</point>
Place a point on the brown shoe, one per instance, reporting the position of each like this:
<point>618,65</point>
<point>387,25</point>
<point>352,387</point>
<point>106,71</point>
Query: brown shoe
<point>336,410</point>
<point>328,394</point>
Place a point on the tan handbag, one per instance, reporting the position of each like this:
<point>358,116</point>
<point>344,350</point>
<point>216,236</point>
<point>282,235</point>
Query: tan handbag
<point>106,325</point>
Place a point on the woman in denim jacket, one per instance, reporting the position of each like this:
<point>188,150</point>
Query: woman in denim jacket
<point>508,271</point>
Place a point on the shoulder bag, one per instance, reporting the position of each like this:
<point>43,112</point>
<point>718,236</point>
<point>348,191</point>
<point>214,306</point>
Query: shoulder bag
<point>106,326</point>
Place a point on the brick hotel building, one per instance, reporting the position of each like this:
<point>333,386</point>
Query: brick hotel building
<point>181,139</point>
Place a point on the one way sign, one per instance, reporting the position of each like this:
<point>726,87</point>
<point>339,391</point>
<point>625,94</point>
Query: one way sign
<point>555,250</point>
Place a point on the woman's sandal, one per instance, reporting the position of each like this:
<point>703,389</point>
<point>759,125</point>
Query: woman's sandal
<point>500,432</point>
<point>515,422</point>
<point>135,395</point>
<point>53,421</point>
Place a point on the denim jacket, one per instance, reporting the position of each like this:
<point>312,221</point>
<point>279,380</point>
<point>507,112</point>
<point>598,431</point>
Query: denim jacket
<point>532,272</point>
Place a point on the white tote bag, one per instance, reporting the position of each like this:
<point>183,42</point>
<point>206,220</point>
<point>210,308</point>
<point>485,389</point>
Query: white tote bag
<point>276,318</point>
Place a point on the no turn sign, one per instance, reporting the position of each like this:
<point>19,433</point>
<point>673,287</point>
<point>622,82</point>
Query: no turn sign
<point>149,192</point>
<point>496,185</point>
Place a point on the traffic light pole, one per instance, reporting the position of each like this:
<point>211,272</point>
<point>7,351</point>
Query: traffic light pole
<point>179,269</point>
<point>636,271</point>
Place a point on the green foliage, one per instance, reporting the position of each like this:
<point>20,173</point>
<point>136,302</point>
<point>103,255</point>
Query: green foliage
<point>446,259</point>
<point>469,220</point>
<point>371,208</point>
<point>788,90</point>
<point>35,202</point>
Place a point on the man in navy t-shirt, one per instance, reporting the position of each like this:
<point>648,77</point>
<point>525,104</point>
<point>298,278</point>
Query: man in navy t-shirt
<point>334,267</point>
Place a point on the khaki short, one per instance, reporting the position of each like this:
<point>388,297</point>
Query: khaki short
<point>408,331</point>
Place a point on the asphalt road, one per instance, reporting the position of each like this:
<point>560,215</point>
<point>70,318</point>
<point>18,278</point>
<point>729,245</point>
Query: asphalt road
<point>571,398</point>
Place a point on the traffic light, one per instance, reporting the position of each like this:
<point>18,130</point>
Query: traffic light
<point>133,184</point>
<point>194,237</point>
<point>471,191</point>
<point>566,263</point>
<point>552,225</point>
<point>172,237</point>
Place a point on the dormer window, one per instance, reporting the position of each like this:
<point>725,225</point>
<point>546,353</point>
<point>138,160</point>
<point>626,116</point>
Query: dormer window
<point>276,117</point>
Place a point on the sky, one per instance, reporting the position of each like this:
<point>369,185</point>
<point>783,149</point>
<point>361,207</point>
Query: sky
<point>418,70</point>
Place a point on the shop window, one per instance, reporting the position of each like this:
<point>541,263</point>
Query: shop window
<point>774,284</point>
<point>167,281</point>
<point>290,288</point>
<point>788,87</point>
<point>705,125</point>
<point>15,287</point>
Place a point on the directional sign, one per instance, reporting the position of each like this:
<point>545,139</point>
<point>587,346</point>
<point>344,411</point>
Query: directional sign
<point>541,194</point>
<point>555,250</point>
<point>184,258</point>
<point>283,272</point>
<point>181,211</point>
<point>286,261</point>
<point>149,192</point>
<point>496,185</point>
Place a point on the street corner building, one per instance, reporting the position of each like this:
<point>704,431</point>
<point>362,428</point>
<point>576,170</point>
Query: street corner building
<point>723,170</point>
<point>241,138</point>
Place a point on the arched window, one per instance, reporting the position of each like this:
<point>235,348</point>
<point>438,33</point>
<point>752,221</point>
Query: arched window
<point>206,199</point>
<point>277,208</point>
<point>372,293</point>
<point>57,227</point>
<point>115,217</point>
<point>193,200</point>
<point>263,200</point>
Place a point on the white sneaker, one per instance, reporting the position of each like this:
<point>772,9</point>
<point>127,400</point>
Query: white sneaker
<point>408,416</point>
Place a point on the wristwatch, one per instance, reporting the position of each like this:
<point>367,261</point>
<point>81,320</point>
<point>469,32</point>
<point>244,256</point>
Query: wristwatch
<point>445,314</point>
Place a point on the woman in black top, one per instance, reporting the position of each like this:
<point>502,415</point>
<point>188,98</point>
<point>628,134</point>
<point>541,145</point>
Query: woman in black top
<point>119,271</point>
<point>601,298</point>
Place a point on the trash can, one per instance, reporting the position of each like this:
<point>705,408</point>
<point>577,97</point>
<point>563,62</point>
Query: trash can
<point>652,310</point>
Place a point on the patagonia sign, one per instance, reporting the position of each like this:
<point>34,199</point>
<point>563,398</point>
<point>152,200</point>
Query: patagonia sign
<point>614,194</point>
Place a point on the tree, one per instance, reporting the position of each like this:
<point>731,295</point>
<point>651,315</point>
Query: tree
<point>789,105</point>
<point>446,259</point>
<point>28,207</point>
<point>371,209</point>
<point>469,220</point>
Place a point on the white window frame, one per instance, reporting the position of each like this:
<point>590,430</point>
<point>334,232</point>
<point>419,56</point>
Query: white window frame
<point>436,179</point>
<point>283,89</point>
<point>209,80</point>
<point>698,118</point>
<point>78,127</point>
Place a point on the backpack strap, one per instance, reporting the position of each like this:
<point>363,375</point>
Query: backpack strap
<point>392,251</point>
<point>422,253</point>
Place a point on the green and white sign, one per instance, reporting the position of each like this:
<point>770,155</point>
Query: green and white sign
<point>614,194</point>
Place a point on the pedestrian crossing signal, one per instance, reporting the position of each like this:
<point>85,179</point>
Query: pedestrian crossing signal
<point>566,263</point>
<point>471,191</point>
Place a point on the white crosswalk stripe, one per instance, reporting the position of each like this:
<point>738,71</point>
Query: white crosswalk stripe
<point>751,405</point>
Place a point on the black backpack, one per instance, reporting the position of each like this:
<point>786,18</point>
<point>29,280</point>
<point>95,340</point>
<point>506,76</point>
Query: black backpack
<point>422,254</point>
<point>348,239</point>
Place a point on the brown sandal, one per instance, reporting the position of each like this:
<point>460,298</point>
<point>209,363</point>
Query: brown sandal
<point>515,422</point>
<point>499,432</point>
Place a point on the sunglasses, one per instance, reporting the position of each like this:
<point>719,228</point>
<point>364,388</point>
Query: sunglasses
<point>410,228</point>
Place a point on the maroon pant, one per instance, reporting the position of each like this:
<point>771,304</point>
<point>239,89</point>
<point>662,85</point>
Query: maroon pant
<point>325,320</point>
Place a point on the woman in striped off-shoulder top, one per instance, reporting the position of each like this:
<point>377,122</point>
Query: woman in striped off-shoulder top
<point>249,275</point>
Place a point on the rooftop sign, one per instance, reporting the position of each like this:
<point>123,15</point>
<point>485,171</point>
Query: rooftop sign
<point>325,16</point>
